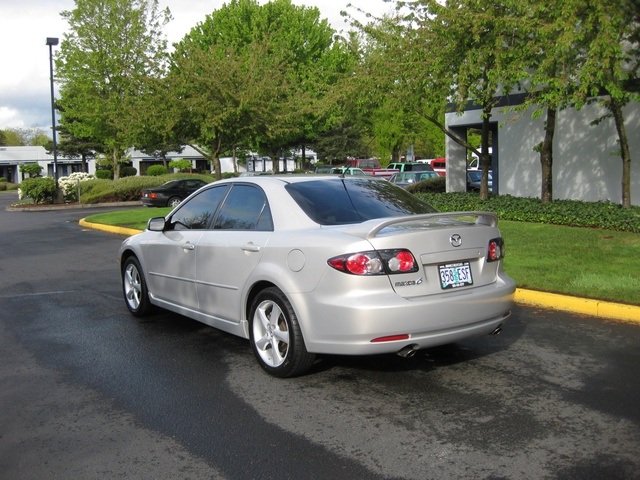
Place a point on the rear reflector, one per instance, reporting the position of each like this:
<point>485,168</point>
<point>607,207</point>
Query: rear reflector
<point>391,338</point>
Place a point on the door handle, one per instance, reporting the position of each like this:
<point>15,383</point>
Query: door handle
<point>188,246</point>
<point>250,247</point>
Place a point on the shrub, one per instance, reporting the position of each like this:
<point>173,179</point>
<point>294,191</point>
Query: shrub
<point>605,215</point>
<point>104,174</point>
<point>127,189</point>
<point>226,175</point>
<point>39,189</point>
<point>128,172</point>
<point>69,185</point>
<point>155,170</point>
<point>2,179</point>
<point>430,185</point>
<point>3,186</point>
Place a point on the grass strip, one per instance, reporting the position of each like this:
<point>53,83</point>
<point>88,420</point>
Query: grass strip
<point>588,263</point>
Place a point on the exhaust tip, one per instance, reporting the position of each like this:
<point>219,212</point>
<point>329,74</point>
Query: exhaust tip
<point>408,351</point>
<point>497,330</point>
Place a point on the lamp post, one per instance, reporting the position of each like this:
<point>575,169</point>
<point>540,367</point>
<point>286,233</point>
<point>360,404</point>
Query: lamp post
<point>51,41</point>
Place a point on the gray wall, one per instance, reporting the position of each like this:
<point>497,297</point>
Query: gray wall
<point>587,165</point>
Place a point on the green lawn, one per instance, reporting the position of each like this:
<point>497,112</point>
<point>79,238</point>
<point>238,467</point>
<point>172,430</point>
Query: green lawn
<point>588,263</point>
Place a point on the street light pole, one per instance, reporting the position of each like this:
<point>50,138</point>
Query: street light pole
<point>51,41</point>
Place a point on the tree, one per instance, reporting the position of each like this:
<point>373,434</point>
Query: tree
<point>578,53</point>
<point>111,47</point>
<point>608,40</point>
<point>250,76</point>
<point>18,137</point>
<point>459,52</point>
<point>31,169</point>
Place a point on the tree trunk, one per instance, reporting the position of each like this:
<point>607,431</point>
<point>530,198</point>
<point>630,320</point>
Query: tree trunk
<point>485,157</point>
<point>546,157</point>
<point>116,165</point>
<point>616,110</point>
<point>215,158</point>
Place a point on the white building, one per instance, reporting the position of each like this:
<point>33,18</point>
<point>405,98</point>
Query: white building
<point>586,162</point>
<point>11,158</point>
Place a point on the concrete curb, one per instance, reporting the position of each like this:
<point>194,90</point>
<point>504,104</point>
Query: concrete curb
<point>594,308</point>
<point>554,301</point>
<point>108,228</point>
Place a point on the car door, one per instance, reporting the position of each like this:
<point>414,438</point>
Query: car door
<point>228,254</point>
<point>171,258</point>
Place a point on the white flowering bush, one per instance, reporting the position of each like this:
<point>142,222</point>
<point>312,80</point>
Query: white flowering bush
<point>69,185</point>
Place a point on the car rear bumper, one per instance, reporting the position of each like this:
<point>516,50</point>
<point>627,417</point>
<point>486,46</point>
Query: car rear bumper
<point>148,202</point>
<point>347,325</point>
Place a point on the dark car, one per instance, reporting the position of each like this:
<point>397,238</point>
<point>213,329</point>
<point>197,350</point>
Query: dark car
<point>170,194</point>
<point>474,179</point>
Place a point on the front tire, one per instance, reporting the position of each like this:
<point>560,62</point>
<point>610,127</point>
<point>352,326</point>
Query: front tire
<point>134,288</point>
<point>275,335</point>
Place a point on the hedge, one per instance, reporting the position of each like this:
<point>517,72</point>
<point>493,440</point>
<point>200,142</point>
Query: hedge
<point>127,189</point>
<point>605,215</point>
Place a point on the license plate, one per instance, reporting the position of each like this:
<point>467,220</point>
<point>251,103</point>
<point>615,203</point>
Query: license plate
<point>455,275</point>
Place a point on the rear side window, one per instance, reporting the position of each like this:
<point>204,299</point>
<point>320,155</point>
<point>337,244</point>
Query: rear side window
<point>245,208</point>
<point>354,200</point>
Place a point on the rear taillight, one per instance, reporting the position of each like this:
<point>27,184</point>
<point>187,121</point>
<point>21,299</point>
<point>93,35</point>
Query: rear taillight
<point>495,251</point>
<point>374,262</point>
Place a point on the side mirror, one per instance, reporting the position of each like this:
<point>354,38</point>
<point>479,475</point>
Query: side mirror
<point>156,224</point>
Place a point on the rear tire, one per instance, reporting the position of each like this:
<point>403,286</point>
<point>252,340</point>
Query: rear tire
<point>275,335</point>
<point>174,202</point>
<point>134,288</point>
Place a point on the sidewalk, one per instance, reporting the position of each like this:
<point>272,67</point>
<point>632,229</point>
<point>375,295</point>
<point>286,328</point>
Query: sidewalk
<point>584,306</point>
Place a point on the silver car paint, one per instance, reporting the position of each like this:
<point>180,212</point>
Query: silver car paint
<point>338,313</point>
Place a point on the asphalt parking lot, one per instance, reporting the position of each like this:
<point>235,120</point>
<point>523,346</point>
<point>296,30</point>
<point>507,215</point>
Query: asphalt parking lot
<point>90,392</point>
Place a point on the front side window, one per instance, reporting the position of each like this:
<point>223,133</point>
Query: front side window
<point>246,208</point>
<point>197,213</point>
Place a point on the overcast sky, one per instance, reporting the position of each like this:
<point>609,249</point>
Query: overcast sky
<point>25,95</point>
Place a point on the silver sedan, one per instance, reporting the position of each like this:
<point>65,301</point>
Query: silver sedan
<point>321,265</point>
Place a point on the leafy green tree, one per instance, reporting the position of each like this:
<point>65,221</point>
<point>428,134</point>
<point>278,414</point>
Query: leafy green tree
<point>180,164</point>
<point>457,52</point>
<point>11,138</point>
<point>31,169</point>
<point>250,76</point>
<point>111,46</point>
<point>607,36</point>
<point>18,137</point>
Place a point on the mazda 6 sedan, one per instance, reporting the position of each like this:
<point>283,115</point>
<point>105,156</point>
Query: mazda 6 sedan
<point>312,265</point>
<point>171,193</point>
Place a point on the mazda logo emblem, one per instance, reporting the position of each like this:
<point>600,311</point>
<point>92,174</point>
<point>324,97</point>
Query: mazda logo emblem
<point>456,240</point>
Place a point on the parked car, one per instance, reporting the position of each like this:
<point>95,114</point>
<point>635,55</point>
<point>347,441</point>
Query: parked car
<point>405,179</point>
<point>306,265</point>
<point>170,194</point>
<point>349,171</point>
<point>410,167</point>
<point>439,165</point>
<point>474,179</point>
<point>323,169</point>
<point>371,166</point>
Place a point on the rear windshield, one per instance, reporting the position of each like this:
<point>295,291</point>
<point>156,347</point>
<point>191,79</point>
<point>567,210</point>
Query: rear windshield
<point>340,201</point>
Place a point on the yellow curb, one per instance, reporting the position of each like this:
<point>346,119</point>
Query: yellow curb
<point>108,228</point>
<point>595,308</point>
